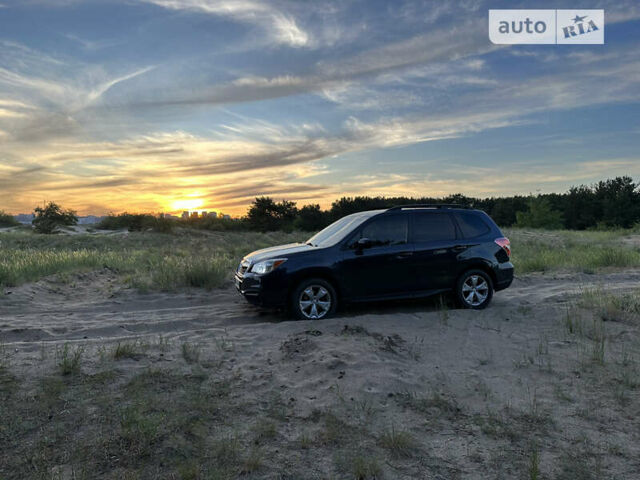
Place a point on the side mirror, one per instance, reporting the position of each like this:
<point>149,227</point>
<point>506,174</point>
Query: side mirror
<point>363,243</point>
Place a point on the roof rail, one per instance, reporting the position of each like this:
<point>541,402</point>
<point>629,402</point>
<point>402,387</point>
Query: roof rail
<point>428,205</point>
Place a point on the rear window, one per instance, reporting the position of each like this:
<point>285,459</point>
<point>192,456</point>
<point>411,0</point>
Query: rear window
<point>471,224</point>
<point>429,227</point>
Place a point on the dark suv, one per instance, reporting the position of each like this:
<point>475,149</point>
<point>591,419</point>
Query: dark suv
<point>403,252</point>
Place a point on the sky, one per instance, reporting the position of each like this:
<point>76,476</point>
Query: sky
<point>171,105</point>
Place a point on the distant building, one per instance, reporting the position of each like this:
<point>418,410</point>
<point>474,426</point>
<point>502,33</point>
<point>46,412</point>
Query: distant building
<point>203,213</point>
<point>226,217</point>
<point>185,214</point>
<point>213,214</point>
<point>24,217</point>
<point>194,214</point>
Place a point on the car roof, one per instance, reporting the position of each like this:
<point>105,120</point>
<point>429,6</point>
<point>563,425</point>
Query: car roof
<point>424,209</point>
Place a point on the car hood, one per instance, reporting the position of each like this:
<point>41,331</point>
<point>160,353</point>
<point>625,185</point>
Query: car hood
<point>278,251</point>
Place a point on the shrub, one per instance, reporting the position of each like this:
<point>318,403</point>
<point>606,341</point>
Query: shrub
<point>7,220</point>
<point>540,215</point>
<point>51,216</point>
<point>137,222</point>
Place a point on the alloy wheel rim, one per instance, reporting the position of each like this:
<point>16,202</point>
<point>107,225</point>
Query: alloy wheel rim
<point>315,302</point>
<point>475,290</point>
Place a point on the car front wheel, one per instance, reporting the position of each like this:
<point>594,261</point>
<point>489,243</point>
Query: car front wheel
<point>313,299</point>
<point>474,289</point>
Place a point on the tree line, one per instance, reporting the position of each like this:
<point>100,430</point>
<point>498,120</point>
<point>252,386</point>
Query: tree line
<point>612,203</point>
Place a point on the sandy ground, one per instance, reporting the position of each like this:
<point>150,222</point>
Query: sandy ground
<point>513,363</point>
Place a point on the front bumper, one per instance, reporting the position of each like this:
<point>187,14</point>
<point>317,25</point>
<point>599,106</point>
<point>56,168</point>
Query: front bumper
<point>268,290</point>
<point>250,287</point>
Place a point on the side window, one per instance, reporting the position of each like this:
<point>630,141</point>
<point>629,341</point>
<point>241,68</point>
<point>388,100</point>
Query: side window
<point>386,230</point>
<point>471,224</point>
<point>429,227</point>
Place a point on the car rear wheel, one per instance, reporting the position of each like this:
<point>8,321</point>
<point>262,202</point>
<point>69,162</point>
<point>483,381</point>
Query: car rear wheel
<point>474,289</point>
<point>313,299</point>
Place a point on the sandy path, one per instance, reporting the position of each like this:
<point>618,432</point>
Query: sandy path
<point>94,306</point>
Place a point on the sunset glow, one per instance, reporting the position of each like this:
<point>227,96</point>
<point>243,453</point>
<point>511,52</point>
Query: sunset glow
<point>300,101</point>
<point>187,204</point>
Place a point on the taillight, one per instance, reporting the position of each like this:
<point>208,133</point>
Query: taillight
<point>505,244</point>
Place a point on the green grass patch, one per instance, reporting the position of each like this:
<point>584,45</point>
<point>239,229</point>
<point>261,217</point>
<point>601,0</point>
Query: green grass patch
<point>585,251</point>
<point>148,261</point>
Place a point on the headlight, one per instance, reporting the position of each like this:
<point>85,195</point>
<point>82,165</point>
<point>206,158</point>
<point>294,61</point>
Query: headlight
<point>267,265</point>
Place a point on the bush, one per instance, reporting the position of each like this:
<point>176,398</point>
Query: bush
<point>137,222</point>
<point>265,215</point>
<point>540,215</point>
<point>51,216</point>
<point>216,224</point>
<point>311,219</point>
<point>7,220</point>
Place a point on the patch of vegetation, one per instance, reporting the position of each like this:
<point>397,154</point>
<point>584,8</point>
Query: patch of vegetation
<point>253,462</point>
<point>148,261</point>
<point>132,350</point>
<point>137,222</point>
<point>400,443</point>
<point>581,462</point>
<point>51,217</point>
<point>7,220</point>
<point>360,466</point>
<point>69,359</point>
<point>437,404</point>
<point>589,252</point>
<point>539,215</point>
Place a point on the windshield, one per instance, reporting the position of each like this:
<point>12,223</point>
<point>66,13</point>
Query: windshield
<point>338,230</point>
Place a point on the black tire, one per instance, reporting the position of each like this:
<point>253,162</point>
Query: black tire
<point>474,297</point>
<point>321,291</point>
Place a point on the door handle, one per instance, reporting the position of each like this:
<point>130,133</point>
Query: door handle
<point>403,254</point>
<point>459,248</point>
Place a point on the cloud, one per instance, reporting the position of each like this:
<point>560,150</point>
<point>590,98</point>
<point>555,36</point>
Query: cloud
<point>280,27</point>
<point>99,90</point>
<point>419,50</point>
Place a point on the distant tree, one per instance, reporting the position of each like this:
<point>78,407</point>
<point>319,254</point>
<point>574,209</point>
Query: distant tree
<point>458,199</point>
<point>620,201</point>
<point>266,215</point>
<point>311,218</point>
<point>51,216</point>
<point>539,215</point>
<point>348,205</point>
<point>137,222</point>
<point>503,210</point>
<point>7,220</point>
<point>581,208</point>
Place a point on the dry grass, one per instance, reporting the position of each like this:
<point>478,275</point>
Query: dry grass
<point>191,258</point>
<point>585,251</point>
<point>148,261</point>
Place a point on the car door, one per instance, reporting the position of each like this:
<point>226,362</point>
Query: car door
<point>433,234</point>
<point>382,268</point>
